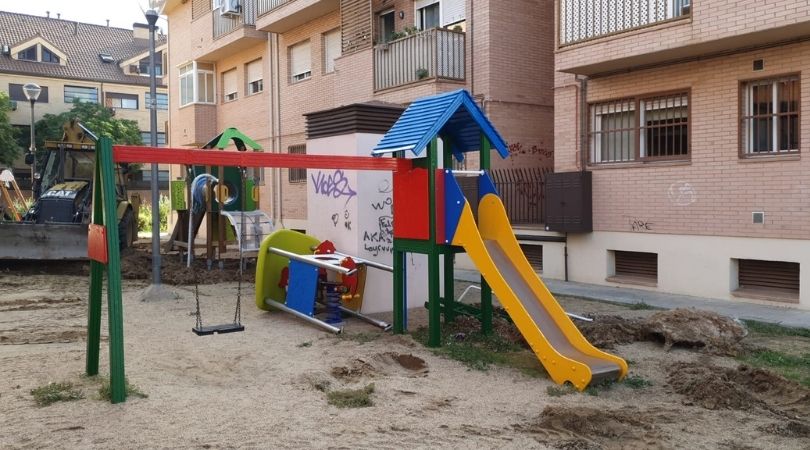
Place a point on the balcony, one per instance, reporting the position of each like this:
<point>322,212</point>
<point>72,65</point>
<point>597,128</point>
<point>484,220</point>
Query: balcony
<point>229,33</point>
<point>435,54</point>
<point>225,24</point>
<point>604,37</point>
<point>581,20</point>
<point>280,16</point>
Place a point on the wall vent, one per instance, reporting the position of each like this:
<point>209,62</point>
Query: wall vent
<point>759,64</point>
<point>758,217</point>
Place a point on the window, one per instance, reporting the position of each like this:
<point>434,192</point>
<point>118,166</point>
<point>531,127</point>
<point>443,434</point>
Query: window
<point>162,100</point>
<point>427,17</point>
<point>768,280</point>
<point>386,26</point>
<point>15,92</point>
<point>638,267</point>
<point>648,128</point>
<point>122,101</point>
<point>143,65</point>
<point>81,93</point>
<point>331,50</point>
<point>297,175</point>
<point>254,77</point>
<point>770,116</point>
<point>29,54</point>
<point>534,254</point>
<point>229,92</point>
<point>196,83</point>
<point>146,137</point>
<point>49,57</point>
<point>300,62</point>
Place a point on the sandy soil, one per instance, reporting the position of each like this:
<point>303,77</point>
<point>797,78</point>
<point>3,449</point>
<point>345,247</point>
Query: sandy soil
<point>265,387</point>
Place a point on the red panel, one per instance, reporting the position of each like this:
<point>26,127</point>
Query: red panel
<point>137,154</point>
<point>411,218</point>
<point>97,243</point>
<point>440,207</point>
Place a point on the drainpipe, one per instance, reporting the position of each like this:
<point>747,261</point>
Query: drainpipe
<point>471,33</point>
<point>277,135</point>
<point>583,122</point>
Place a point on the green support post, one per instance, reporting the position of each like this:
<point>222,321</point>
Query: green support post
<point>96,280</point>
<point>434,303</point>
<point>114,307</point>
<point>399,290</point>
<point>486,290</point>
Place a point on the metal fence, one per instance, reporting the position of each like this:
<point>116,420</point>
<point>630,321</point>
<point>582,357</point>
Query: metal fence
<point>523,193</point>
<point>266,6</point>
<point>435,53</point>
<point>587,19</point>
<point>225,24</point>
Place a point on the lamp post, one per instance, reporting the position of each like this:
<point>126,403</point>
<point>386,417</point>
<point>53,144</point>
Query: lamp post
<point>152,10</point>
<point>32,91</point>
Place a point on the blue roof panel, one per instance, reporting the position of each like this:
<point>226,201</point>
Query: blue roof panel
<point>452,114</point>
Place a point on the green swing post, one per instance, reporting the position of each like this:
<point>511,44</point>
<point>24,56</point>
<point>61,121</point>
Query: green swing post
<point>400,278</point>
<point>486,290</point>
<point>434,305</point>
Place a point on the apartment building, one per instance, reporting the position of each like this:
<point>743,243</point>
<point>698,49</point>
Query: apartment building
<point>72,60</point>
<point>261,65</point>
<point>691,119</point>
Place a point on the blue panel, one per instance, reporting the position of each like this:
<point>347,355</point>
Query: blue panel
<point>302,288</point>
<point>453,205</point>
<point>453,114</point>
<point>486,186</point>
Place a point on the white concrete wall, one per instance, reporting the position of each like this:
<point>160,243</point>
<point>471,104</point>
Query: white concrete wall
<point>701,266</point>
<point>354,209</point>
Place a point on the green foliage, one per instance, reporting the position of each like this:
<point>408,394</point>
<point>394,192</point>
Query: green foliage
<point>9,150</point>
<point>145,215</point>
<point>56,392</point>
<point>771,329</point>
<point>793,367</point>
<point>351,398</point>
<point>641,306</point>
<point>559,391</point>
<point>636,382</point>
<point>105,391</point>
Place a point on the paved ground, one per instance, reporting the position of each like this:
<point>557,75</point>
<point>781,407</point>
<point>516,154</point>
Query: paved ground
<point>766,313</point>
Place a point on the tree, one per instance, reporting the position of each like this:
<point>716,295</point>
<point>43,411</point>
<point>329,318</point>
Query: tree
<point>9,149</point>
<point>96,118</point>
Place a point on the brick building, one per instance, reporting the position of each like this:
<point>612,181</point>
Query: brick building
<point>264,64</point>
<point>691,118</point>
<point>73,60</point>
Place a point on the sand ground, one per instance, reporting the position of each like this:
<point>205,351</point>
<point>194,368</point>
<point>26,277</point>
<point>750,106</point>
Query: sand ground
<point>265,387</point>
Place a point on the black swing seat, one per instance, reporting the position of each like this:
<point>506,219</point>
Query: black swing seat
<point>218,329</point>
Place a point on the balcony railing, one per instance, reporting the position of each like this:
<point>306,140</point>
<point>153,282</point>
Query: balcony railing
<point>581,20</point>
<point>431,54</point>
<point>523,192</point>
<point>269,5</point>
<point>225,24</point>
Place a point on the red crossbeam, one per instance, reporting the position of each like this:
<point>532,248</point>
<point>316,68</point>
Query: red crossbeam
<point>138,154</point>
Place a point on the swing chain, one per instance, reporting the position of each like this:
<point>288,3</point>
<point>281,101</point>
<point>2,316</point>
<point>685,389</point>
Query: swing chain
<point>237,315</point>
<point>197,299</point>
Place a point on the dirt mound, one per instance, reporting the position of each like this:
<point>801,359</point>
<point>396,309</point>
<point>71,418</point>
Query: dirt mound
<point>792,429</point>
<point>355,370</point>
<point>609,331</point>
<point>693,328</point>
<point>388,363</point>
<point>588,428</point>
<point>136,264</point>
<point>743,388</point>
<point>464,325</point>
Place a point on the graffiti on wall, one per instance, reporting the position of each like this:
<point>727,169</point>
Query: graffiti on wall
<point>379,237</point>
<point>682,193</point>
<point>333,185</point>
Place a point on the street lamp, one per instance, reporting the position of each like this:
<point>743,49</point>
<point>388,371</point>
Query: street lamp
<point>32,91</point>
<point>152,10</point>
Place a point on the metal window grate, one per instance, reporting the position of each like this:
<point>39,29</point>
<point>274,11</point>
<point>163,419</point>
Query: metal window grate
<point>297,175</point>
<point>640,265</point>
<point>770,116</point>
<point>522,191</point>
<point>769,275</point>
<point>534,253</point>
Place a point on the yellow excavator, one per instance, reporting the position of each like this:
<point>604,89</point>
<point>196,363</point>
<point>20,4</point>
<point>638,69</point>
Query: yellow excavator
<point>55,226</point>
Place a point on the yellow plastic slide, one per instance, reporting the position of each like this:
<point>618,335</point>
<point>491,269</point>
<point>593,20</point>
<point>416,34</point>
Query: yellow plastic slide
<point>558,344</point>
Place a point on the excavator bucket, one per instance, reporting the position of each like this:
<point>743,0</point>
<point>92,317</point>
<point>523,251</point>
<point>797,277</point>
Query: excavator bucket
<point>45,241</point>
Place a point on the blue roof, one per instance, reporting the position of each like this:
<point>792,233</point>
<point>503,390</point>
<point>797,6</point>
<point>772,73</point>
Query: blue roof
<point>454,115</point>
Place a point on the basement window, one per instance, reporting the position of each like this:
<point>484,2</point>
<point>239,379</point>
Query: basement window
<point>634,268</point>
<point>768,280</point>
<point>534,253</point>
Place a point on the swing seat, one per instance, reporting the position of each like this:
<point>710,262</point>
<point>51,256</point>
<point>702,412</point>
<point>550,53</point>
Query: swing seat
<point>218,329</point>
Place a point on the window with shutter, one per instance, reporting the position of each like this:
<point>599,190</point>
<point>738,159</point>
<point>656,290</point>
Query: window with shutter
<point>452,11</point>
<point>635,267</point>
<point>229,91</point>
<point>254,77</point>
<point>768,280</point>
<point>300,62</point>
<point>331,50</point>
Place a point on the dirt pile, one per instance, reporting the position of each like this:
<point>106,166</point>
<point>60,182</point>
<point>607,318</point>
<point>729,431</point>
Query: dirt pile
<point>743,388</point>
<point>136,264</point>
<point>381,364</point>
<point>718,334</point>
<point>709,331</point>
<point>792,429</point>
<point>592,428</point>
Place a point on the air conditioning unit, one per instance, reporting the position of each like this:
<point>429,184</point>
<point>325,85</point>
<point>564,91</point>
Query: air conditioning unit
<point>230,8</point>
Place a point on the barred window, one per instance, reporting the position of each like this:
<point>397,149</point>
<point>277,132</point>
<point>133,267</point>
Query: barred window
<point>770,116</point>
<point>297,175</point>
<point>648,128</point>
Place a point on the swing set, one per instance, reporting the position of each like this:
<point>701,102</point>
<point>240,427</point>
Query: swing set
<point>103,247</point>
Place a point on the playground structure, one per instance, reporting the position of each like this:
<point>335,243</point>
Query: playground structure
<point>431,216</point>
